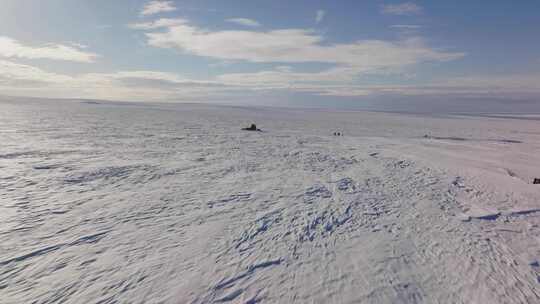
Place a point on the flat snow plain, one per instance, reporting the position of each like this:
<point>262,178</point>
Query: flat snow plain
<point>111,203</point>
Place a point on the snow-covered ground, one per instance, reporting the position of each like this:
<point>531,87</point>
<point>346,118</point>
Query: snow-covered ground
<point>104,203</point>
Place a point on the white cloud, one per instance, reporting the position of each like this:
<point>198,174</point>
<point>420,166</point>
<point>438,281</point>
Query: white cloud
<point>283,77</point>
<point>407,8</point>
<point>79,45</point>
<point>341,82</point>
<point>292,45</point>
<point>320,16</point>
<point>244,22</point>
<point>160,23</point>
<point>25,73</point>
<point>509,86</point>
<point>158,6</point>
<point>406,26</point>
<point>20,75</point>
<point>283,68</point>
<point>348,60</point>
<point>11,48</point>
<point>26,80</point>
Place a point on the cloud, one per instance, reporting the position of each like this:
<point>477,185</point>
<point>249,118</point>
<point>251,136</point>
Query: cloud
<point>160,23</point>
<point>320,16</point>
<point>406,26</point>
<point>283,68</point>
<point>11,48</point>
<point>284,77</point>
<point>20,75</point>
<point>347,60</point>
<point>158,6</point>
<point>291,46</point>
<point>79,45</point>
<point>244,22</point>
<point>25,80</point>
<point>341,82</point>
<point>407,8</point>
<point>508,86</point>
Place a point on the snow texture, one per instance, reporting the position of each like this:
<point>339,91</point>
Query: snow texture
<point>112,203</point>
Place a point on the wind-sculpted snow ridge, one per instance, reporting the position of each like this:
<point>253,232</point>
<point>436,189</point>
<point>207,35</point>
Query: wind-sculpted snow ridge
<point>177,205</point>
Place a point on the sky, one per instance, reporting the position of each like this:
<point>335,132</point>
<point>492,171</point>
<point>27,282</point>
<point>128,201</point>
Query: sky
<point>270,52</point>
